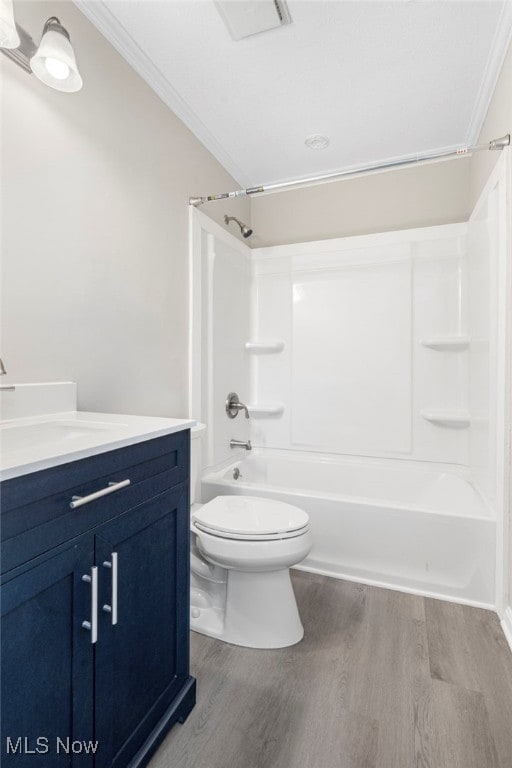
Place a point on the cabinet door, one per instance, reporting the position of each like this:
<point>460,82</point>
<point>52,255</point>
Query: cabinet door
<point>47,663</point>
<point>142,660</point>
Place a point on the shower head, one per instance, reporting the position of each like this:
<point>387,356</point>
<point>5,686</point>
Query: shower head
<point>246,232</point>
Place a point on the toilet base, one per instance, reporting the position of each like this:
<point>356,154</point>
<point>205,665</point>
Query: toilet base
<point>260,612</point>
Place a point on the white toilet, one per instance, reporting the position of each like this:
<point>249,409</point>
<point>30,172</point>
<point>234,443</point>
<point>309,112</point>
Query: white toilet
<point>241,550</point>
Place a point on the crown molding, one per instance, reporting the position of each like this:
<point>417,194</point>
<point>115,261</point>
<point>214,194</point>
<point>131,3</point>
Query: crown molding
<point>499,48</point>
<point>105,22</point>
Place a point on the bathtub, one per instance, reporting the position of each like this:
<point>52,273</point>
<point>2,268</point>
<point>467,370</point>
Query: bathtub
<point>396,524</point>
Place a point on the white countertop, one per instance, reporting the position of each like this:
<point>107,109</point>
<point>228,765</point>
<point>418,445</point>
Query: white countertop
<point>34,443</point>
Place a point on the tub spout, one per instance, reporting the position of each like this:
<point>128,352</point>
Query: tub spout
<point>10,387</point>
<point>241,444</point>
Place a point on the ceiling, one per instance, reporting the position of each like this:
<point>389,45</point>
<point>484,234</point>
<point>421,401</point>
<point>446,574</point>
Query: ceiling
<point>382,80</point>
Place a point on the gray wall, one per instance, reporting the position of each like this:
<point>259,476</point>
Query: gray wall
<point>95,228</point>
<point>498,122</point>
<point>437,193</point>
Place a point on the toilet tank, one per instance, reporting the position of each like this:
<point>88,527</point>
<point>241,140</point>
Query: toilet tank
<point>196,464</point>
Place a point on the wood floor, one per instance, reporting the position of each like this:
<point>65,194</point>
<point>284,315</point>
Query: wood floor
<point>381,680</point>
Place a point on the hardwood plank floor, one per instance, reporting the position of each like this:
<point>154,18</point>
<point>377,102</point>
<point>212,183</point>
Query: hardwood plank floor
<point>491,655</point>
<point>456,723</point>
<point>381,680</point>
<point>450,657</point>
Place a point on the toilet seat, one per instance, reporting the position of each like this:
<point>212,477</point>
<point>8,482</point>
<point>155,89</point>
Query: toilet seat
<point>249,537</point>
<point>250,518</point>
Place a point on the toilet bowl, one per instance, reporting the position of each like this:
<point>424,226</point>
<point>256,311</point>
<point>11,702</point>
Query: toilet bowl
<point>242,549</point>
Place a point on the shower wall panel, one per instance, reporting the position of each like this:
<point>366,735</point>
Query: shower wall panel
<point>220,327</point>
<point>487,281</point>
<point>230,317</point>
<point>357,375</point>
<point>351,358</point>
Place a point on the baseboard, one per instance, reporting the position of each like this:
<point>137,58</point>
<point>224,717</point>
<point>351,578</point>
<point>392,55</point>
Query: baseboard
<point>506,623</point>
<point>383,584</point>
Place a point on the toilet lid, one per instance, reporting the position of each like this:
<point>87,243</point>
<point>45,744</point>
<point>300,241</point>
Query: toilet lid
<point>249,516</point>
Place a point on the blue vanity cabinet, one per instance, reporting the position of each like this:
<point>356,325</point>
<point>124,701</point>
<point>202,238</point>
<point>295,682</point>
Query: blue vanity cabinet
<point>125,690</point>
<point>150,624</point>
<point>47,662</point>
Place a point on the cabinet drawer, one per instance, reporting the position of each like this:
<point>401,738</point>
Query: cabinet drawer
<point>36,513</point>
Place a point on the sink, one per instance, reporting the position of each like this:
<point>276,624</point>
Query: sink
<point>20,437</point>
<point>40,427</point>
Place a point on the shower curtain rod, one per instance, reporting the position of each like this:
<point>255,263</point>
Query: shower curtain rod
<point>495,144</point>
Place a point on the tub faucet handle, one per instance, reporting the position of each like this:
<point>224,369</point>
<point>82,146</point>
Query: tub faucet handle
<point>233,406</point>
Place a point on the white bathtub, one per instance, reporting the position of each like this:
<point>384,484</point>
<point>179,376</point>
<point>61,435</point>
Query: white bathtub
<point>396,524</point>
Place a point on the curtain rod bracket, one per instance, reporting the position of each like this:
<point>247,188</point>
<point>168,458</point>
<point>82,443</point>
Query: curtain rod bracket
<point>501,143</point>
<point>196,201</point>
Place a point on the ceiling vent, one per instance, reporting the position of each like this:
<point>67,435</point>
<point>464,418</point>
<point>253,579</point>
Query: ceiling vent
<point>244,18</point>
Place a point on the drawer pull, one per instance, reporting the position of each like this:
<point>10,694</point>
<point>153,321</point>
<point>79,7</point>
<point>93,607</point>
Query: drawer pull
<point>112,609</point>
<point>92,625</point>
<point>79,501</point>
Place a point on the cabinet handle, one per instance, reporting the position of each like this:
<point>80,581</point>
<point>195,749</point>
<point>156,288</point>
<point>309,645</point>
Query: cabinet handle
<point>79,501</point>
<point>92,625</point>
<point>112,564</point>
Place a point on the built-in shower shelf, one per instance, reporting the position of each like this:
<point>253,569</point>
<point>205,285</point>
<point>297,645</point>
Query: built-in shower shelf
<point>456,419</point>
<point>266,409</point>
<point>447,343</point>
<point>264,347</point>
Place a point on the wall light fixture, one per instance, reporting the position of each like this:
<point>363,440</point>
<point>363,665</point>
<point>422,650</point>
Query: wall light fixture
<point>9,37</point>
<point>53,61</point>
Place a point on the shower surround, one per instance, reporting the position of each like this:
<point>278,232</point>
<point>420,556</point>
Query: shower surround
<point>371,369</point>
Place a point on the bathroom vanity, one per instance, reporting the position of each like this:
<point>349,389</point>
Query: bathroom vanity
<point>95,590</point>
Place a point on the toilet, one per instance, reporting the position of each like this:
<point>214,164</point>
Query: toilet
<point>242,548</point>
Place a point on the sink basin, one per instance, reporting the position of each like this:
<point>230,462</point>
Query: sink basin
<point>40,427</point>
<point>23,436</point>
